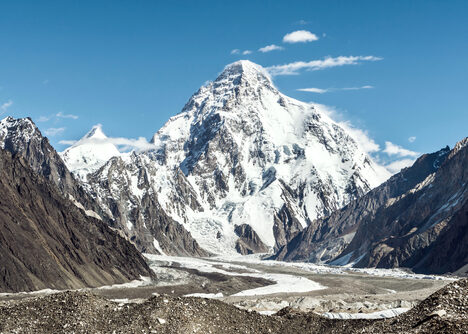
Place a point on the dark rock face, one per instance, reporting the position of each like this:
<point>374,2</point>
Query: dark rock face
<point>417,219</point>
<point>22,137</point>
<point>46,241</point>
<point>324,239</point>
<point>426,228</point>
<point>286,226</point>
<point>249,241</point>
<point>141,217</point>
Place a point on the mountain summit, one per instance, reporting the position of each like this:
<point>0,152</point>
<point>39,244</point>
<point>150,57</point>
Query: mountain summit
<point>243,164</point>
<point>89,153</point>
<point>95,133</point>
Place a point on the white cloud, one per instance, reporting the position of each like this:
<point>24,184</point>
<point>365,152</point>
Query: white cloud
<point>314,90</point>
<point>300,36</point>
<point>357,88</point>
<point>270,48</point>
<point>359,135</point>
<point>5,106</point>
<point>123,144</point>
<point>319,64</point>
<point>67,142</point>
<point>368,144</point>
<point>327,90</point>
<point>43,118</point>
<point>393,149</point>
<point>62,115</point>
<point>238,52</point>
<point>412,139</point>
<point>51,132</point>
<point>396,166</point>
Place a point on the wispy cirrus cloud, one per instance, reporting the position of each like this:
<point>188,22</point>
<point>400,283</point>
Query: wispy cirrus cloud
<point>269,48</point>
<point>300,36</point>
<point>44,118</point>
<point>327,90</point>
<point>51,132</point>
<point>4,107</point>
<point>59,115</point>
<point>393,149</point>
<point>313,90</point>
<point>319,64</point>
<point>62,115</point>
<point>68,142</point>
<point>240,52</point>
<point>412,139</point>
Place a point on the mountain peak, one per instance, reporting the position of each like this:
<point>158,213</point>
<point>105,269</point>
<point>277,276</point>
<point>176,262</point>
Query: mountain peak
<point>245,69</point>
<point>89,153</point>
<point>95,133</point>
<point>11,121</point>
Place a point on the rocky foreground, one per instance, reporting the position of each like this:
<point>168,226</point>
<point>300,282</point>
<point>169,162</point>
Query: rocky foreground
<point>445,311</point>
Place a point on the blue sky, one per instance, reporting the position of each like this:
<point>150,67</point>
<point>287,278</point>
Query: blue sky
<point>130,65</point>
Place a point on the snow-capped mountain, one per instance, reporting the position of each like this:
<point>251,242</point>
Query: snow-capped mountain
<point>240,153</point>
<point>89,153</point>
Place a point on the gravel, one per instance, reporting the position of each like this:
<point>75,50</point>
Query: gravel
<point>445,311</point>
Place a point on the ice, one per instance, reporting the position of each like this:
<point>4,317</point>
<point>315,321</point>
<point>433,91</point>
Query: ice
<point>158,247</point>
<point>283,283</point>
<point>390,313</point>
<point>206,295</point>
<point>143,281</point>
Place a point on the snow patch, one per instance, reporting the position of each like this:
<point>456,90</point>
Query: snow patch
<point>384,314</point>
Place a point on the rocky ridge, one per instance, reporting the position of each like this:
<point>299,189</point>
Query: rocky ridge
<point>424,229</point>
<point>22,137</point>
<point>324,239</point>
<point>46,241</point>
<point>417,219</point>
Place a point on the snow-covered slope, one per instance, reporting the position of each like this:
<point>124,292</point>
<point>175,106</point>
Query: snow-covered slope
<point>89,153</point>
<point>241,152</point>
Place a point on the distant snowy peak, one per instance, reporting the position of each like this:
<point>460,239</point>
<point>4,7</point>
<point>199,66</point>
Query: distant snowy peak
<point>95,133</point>
<point>89,153</point>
